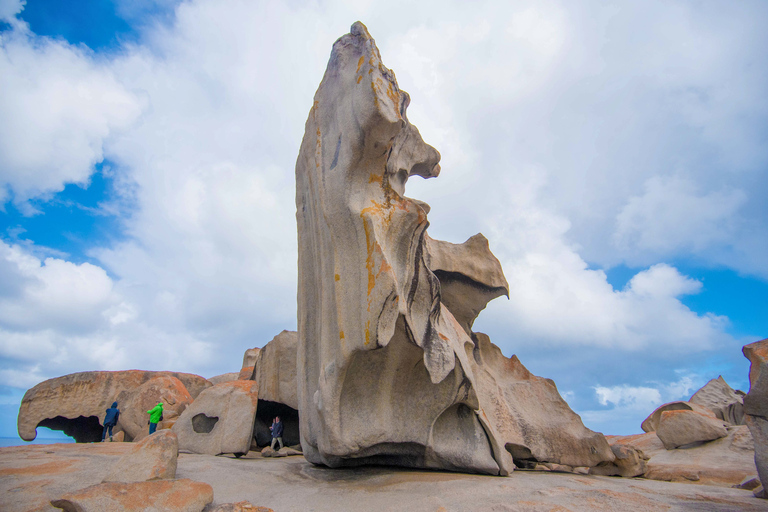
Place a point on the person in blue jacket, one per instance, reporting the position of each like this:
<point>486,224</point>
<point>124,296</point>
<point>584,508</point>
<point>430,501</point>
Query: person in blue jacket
<point>277,432</point>
<point>110,420</point>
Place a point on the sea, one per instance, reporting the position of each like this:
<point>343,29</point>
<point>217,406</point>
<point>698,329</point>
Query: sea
<point>17,441</point>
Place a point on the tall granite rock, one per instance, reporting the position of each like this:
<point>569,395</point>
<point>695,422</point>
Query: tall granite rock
<point>756,407</point>
<point>389,370</point>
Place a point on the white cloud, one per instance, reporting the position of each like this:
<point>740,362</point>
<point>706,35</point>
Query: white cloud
<point>58,107</point>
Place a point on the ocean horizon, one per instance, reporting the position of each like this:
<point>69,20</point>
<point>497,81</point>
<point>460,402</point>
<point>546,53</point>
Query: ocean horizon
<point>17,441</point>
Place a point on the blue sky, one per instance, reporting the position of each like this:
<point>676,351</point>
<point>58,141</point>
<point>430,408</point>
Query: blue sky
<point>615,156</point>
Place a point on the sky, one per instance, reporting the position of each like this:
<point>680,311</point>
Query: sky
<point>615,154</point>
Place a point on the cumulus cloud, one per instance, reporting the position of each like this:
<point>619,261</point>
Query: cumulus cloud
<point>58,106</point>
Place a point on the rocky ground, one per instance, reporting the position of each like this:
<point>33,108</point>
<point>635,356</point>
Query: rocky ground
<point>31,476</point>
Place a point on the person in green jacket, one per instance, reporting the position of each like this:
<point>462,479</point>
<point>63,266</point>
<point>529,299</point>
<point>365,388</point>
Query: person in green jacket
<point>155,415</point>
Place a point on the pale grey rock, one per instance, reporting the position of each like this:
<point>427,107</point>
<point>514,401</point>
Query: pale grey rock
<point>387,373</point>
<point>224,377</point>
<point>717,396</point>
<point>220,420</point>
<point>249,358</point>
<point>275,370</point>
<point>470,276</point>
<point>651,423</point>
<point>153,458</point>
<point>749,483</point>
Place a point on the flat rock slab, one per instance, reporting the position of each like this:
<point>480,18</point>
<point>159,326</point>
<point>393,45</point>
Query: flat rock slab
<point>155,496</point>
<point>30,476</point>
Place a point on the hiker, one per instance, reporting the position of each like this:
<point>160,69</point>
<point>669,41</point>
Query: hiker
<point>277,432</point>
<point>110,420</point>
<point>155,416</point>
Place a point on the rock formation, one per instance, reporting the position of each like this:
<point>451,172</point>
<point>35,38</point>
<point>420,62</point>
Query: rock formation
<point>756,407</point>
<point>723,462</point>
<point>389,369</point>
<point>680,428</point>
<point>275,373</point>
<point>720,398</point>
<point>651,423</point>
<point>153,458</point>
<point>220,420</point>
<point>76,403</point>
<point>133,415</point>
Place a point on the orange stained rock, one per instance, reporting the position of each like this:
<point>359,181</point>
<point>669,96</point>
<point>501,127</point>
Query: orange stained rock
<point>360,63</point>
<point>341,335</point>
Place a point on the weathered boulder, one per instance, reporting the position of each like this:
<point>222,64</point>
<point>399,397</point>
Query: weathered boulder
<point>220,420</point>
<point>629,462</point>
<point>756,407</point>
<point>723,462</point>
<point>275,370</point>
<point>720,398</point>
<point>76,403</point>
<point>170,390</point>
<point>167,495</point>
<point>388,372</point>
<point>651,423</point>
<point>240,506</point>
<point>680,428</point>
<point>246,373</point>
<point>153,458</point>
<point>224,377</point>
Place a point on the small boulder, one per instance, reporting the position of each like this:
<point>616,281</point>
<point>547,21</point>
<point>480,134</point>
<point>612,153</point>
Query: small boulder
<point>167,495</point>
<point>240,506</point>
<point>750,483</point>
<point>220,420</point>
<point>629,462</point>
<point>153,458</point>
<point>679,428</point>
<point>651,423</point>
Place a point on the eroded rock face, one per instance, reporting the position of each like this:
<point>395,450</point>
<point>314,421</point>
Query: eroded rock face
<point>756,406</point>
<point>153,458</point>
<point>220,420</point>
<point>389,372</point>
<point>720,398</point>
<point>76,403</point>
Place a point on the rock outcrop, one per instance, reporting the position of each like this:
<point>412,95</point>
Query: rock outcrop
<point>389,371</point>
<point>220,420</point>
<point>133,418</point>
<point>275,370</point>
<point>723,462</point>
<point>724,401</point>
<point>167,495</point>
<point>153,458</point>
<point>76,403</point>
<point>756,407</point>
<point>224,377</point>
<point>680,428</point>
<point>629,462</point>
<point>651,423</point>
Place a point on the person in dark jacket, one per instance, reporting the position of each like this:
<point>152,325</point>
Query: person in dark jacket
<point>110,420</point>
<point>277,432</point>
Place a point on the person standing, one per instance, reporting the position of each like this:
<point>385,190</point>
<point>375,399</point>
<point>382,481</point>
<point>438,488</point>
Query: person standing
<point>155,416</point>
<point>110,420</point>
<point>277,432</point>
